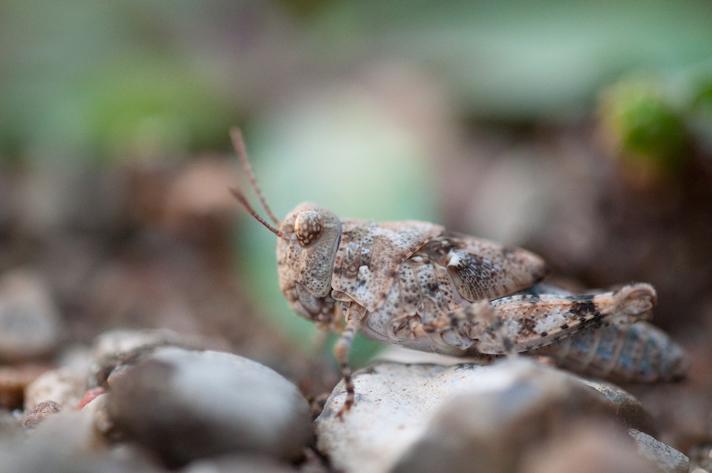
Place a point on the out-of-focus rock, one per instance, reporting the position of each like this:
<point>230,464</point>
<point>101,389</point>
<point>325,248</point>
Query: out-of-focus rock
<point>62,386</point>
<point>186,405</point>
<point>398,354</point>
<point>682,410</point>
<point>701,457</point>
<point>513,202</point>
<point>9,426</point>
<point>63,442</point>
<point>39,412</point>
<point>37,459</point>
<point>420,417</point>
<point>76,360</point>
<point>198,203</point>
<point>238,464</point>
<point>66,443</point>
<point>14,380</point>
<point>119,347</point>
<point>624,404</point>
<point>76,429</point>
<point>587,448</point>
<point>666,458</point>
<point>29,322</point>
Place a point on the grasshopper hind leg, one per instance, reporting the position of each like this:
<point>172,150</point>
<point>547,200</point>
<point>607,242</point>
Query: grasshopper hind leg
<point>529,320</point>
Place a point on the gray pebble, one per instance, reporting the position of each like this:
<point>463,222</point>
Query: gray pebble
<point>626,406</point>
<point>121,347</point>
<point>186,405</point>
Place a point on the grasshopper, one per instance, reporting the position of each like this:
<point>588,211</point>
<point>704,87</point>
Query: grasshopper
<point>418,285</point>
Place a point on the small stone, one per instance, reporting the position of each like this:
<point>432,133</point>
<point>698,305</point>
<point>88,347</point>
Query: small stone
<point>14,380</point>
<point>74,430</point>
<point>29,322</point>
<point>119,347</point>
<point>420,417</point>
<point>238,464</point>
<point>587,448</point>
<point>9,426</point>
<point>626,406</point>
<point>185,405</point>
<point>39,412</point>
<point>666,458</point>
<point>62,386</point>
<point>77,359</point>
<point>66,443</point>
<point>701,456</point>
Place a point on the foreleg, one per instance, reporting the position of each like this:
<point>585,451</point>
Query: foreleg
<point>342,349</point>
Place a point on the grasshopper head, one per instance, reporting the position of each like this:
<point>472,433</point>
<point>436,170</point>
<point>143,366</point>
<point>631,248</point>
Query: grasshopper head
<point>307,240</point>
<point>306,251</point>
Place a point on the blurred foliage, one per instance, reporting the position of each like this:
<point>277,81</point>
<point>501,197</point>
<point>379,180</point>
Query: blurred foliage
<point>88,82</point>
<point>153,109</point>
<point>515,60</point>
<point>80,79</point>
<point>645,124</point>
<point>702,100</point>
<point>699,86</point>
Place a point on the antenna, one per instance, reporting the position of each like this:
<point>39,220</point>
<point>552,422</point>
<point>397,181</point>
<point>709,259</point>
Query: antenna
<point>239,143</point>
<point>243,200</point>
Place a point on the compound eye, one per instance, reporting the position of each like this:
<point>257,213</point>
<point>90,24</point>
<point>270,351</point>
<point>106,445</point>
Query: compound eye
<point>307,227</point>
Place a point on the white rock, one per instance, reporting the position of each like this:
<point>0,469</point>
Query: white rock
<point>398,354</point>
<point>394,404</point>
<point>666,458</point>
<point>399,406</point>
<point>63,386</point>
<point>67,443</point>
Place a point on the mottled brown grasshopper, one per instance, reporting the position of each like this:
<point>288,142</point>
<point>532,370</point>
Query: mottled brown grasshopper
<point>418,285</point>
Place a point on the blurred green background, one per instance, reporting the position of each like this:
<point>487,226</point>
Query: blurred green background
<point>471,114</point>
